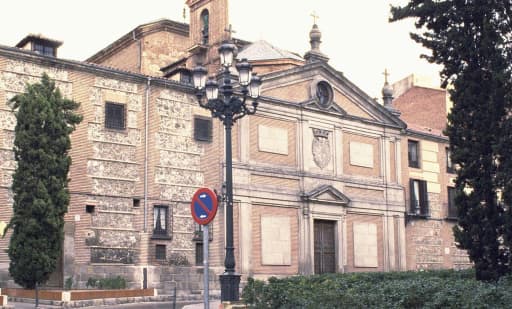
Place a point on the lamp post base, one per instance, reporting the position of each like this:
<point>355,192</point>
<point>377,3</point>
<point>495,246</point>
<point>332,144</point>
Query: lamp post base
<point>229,286</point>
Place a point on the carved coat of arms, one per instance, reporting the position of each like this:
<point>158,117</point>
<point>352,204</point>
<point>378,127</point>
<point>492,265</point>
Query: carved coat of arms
<point>321,148</point>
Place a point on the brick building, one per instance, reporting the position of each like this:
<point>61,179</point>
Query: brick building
<point>320,171</point>
<point>428,176</point>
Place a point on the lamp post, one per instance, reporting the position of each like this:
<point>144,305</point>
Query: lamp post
<point>228,104</point>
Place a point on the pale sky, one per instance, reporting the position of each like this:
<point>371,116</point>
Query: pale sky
<point>355,33</point>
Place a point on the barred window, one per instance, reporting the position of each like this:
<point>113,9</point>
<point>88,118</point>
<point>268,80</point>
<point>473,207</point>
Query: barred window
<point>160,252</point>
<point>199,253</point>
<point>115,116</point>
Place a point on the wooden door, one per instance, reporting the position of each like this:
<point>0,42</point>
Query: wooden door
<point>325,249</point>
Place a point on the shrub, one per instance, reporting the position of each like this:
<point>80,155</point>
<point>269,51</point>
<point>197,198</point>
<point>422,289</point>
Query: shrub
<point>107,283</point>
<point>426,289</point>
<point>68,284</point>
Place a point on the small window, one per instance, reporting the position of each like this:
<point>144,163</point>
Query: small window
<point>205,25</point>
<point>136,202</point>
<point>324,94</point>
<point>452,209</point>
<point>186,77</point>
<point>418,198</point>
<point>203,129</point>
<point>413,154</point>
<point>89,209</point>
<point>198,232</point>
<point>161,221</point>
<point>115,116</point>
<point>449,164</point>
<point>44,49</point>
<point>199,253</point>
<point>160,252</point>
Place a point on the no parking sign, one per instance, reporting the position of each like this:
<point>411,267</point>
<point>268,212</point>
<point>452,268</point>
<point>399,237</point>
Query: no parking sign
<point>204,206</point>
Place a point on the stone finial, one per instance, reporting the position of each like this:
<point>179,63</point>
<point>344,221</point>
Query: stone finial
<point>387,91</point>
<point>387,94</point>
<point>315,37</point>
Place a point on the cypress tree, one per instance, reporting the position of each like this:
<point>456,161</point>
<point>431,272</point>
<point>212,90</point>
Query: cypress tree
<point>44,122</point>
<point>471,39</point>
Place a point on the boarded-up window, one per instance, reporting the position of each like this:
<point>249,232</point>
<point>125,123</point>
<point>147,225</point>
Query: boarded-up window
<point>275,240</point>
<point>361,154</point>
<point>272,139</point>
<point>365,245</point>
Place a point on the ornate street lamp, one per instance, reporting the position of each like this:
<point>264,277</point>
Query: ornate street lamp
<point>228,104</point>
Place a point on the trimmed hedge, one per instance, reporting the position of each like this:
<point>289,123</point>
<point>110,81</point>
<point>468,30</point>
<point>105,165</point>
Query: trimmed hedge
<point>425,289</point>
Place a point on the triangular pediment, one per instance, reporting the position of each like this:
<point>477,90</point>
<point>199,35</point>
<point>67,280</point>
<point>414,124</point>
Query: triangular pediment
<point>326,194</point>
<point>302,86</point>
<point>331,108</point>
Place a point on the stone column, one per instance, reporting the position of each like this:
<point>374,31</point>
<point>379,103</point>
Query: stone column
<point>391,242</point>
<point>398,165</point>
<point>385,242</point>
<point>338,152</point>
<point>340,248</point>
<point>401,250</point>
<point>246,235</point>
<point>243,137</point>
<point>387,158</point>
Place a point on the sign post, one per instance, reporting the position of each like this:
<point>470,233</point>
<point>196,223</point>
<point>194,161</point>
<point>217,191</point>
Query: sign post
<point>205,268</point>
<point>204,208</point>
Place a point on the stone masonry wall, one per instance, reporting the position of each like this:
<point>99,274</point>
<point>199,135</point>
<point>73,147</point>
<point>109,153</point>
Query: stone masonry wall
<point>114,172</point>
<point>177,170</point>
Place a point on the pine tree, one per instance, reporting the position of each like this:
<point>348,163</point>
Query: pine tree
<point>471,39</point>
<point>44,122</point>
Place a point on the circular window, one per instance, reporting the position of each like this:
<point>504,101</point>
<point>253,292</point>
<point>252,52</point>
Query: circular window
<point>323,94</point>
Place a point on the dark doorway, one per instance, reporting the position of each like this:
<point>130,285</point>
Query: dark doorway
<point>325,252</point>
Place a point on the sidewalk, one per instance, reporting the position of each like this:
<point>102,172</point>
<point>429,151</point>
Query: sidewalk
<point>214,304</point>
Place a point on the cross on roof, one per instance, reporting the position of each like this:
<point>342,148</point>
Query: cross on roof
<point>386,74</point>
<point>315,17</point>
<point>230,31</point>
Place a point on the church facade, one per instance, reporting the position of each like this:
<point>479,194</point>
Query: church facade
<point>321,171</point>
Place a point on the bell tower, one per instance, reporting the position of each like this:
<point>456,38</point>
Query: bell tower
<point>208,21</point>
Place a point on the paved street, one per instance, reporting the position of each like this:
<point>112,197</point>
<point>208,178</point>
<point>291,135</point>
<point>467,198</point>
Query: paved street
<point>155,305</point>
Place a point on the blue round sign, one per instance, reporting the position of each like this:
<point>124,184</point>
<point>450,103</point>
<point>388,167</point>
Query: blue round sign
<point>204,206</point>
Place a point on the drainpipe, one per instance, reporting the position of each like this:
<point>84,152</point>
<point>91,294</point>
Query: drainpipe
<point>146,147</point>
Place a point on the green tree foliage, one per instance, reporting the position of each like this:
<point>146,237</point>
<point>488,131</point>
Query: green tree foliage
<point>44,122</point>
<point>471,39</point>
<point>428,289</point>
